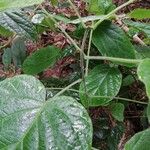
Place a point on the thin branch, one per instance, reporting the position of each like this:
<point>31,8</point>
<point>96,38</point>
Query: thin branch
<point>82,64</point>
<point>69,86</point>
<point>112,13</point>
<point>76,11</point>
<point>114,59</point>
<point>62,29</point>
<point>88,53</point>
<point>115,98</point>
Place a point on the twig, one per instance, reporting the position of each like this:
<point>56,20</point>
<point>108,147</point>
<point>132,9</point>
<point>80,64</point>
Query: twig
<point>112,13</point>
<point>115,98</point>
<point>88,53</point>
<point>82,65</point>
<point>126,29</point>
<point>63,31</point>
<point>76,11</point>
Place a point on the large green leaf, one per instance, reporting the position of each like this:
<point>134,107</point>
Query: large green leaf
<point>111,41</point>
<point>140,141</point>
<point>103,82</point>
<point>40,60</point>
<point>143,72</point>
<point>140,13</point>
<point>144,27</point>
<point>29,122</point>
<point>17,22</point>
<point>7,4</point>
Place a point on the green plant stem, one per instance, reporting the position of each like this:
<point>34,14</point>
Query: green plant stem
<point>69,86</point>
<point>112,13</point>
<point>114,59</point>
<point>121,98</point>
<point>76,11</point>
<point>63,31</point>
<point>88,53</point>
<point>82,64</point>
<point>115,98</point>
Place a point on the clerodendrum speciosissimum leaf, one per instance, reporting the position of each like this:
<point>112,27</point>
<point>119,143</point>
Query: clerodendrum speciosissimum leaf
<point>140,141</point>
<point>29,122</point>
<point>111,41</point>
<point>102,84</point>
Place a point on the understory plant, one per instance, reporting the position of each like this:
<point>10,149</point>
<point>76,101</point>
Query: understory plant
<point>50,105</point>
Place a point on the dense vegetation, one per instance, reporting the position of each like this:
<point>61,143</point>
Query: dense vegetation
<point>75,75</point>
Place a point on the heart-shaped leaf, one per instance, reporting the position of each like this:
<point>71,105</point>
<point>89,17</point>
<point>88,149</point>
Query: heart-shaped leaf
<point>40,60</point>
<point>111,41</point>
<point>139,141</point>
<point>28,121</point>
<point>143,72</point>
<point>102,84</point>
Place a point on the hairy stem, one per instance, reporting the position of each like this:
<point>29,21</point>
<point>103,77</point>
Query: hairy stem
<point>114,59</point>
<point>69,86</point>
<point>115,98</point>
<point>63,31</point>
<point>82,64</point>
<point>88,53</point>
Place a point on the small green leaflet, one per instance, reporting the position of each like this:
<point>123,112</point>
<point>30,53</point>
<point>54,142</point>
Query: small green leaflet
<point>140,13</point>
<point>7,57</point>
<point>143,51</point>
<point>54,2</point>
<point>100,7</point>
<point>128,80</point>
<point>17,22</point>
<point>144,27</point>
<point>143,72</point>
<point>140,141</point>
<point>7,4</point>
<point>15,54</point>
<point>18,50</point>
<point>111,41</point>
<point>117,110</point>
<point>5,32</point>
<point>40,60</point>
<point>30,122</point>
<point>102,84</point>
